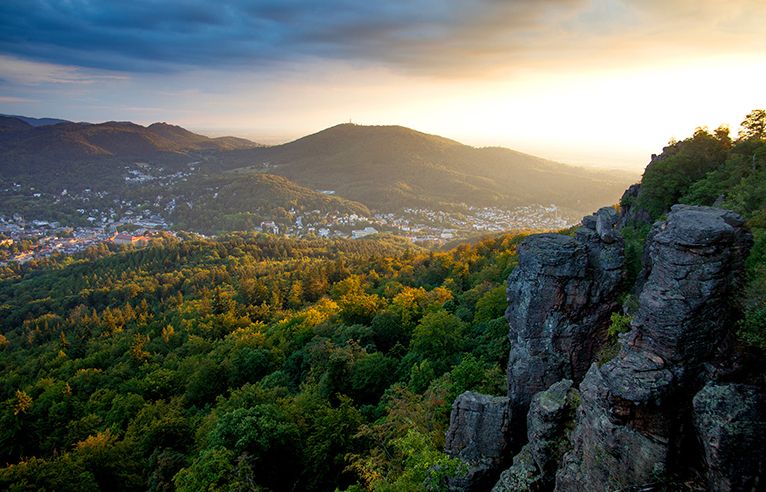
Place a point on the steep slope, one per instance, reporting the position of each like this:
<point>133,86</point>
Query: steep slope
<point>392,167</point>
<point>671,403</point>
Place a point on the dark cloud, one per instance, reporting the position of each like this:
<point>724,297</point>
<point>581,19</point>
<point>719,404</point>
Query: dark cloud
<point>170,35</point>
<point>429,36</point>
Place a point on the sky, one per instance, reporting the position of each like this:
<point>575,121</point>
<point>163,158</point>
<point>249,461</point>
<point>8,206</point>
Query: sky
<point>590,82</point>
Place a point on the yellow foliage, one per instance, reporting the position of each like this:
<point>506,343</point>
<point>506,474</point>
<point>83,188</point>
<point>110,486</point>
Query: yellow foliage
<point>23,403</point>
<point>440,295</point>
<point>320,312</point>
<point>137,351</point>
<point>409,297</point>
<point>3,341</point>
<point>87,370</point>
<point>353,284</point>
<point>101,440</point>
<point>167,332</point>
<point>251,335</point>
<point>366,469</point>
<point>357,307</point>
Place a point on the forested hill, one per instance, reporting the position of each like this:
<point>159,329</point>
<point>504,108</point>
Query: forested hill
<point>67,172</point>
<point>26,142</point>
<point>390,167</point>
<point>249,362</point>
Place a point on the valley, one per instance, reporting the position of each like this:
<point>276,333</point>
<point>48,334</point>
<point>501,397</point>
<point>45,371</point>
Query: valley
<point>474,246</point>
<point>348,181</point>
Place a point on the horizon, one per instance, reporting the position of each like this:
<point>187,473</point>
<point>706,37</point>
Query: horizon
<point>595,83</point>
<point>276,141</point>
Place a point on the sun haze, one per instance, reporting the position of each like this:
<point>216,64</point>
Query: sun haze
<point>600,82</point>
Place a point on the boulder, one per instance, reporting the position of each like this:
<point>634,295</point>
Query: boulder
<point>730,420</point>
<point>478,435</point>
<point>534,468</point>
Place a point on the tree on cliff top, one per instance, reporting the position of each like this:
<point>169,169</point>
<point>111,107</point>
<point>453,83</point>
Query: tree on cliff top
<point>753,127</point>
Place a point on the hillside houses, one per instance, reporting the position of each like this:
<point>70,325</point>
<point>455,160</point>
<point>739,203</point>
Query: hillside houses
<point>126,239</point>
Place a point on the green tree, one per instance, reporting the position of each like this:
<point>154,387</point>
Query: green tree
<point>211,471</point>
<point>439,338</point>
<point>371,375</point>
<point>265,432</point>
<point>753,127</point>
<point>491,305</point>
<point>426,466</point>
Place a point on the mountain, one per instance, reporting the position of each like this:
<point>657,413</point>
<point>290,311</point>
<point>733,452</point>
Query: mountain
<point>24,143</point>
<point>11,124</point>
<point>389,167</point>
<point>36,121</point>
<point>192,141</point>
<point>52,172</point>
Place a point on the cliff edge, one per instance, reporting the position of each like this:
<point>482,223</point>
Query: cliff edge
<point>671,406</point>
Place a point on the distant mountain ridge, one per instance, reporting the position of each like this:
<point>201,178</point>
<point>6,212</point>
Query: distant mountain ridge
<point>36,121</point>
<point>366,168</point>
<point>381,165</point>
<point>67,141</point>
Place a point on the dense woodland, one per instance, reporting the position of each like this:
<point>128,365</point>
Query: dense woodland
<point>253,362</point>
<point>246,362</point>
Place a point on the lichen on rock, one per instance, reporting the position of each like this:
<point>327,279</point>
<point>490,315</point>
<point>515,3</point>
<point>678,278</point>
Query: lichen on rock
<point>634,415</point>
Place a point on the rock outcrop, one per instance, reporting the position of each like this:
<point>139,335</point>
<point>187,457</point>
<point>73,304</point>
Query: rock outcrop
<point>634,414</point>
<point>630,213</point>
<point>534,468</point>
<point>560,300</point>
<point>665,406</point>
<point>730,420</point>
<point>478,436</point>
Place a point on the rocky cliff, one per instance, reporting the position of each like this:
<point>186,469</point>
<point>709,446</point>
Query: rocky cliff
<point>633,426</point>
<point>560,298</point>
<point>534,467</point>
<point>672,406</point>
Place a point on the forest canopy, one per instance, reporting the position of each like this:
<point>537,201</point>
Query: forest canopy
<point>248,362</point>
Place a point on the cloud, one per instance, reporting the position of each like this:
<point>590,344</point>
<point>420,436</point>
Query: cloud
<point>24,72</point>
<point>14,100</point>
<point>150,35</point>
<point>426,36</point>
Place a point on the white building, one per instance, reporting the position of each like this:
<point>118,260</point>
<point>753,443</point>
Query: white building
<point>269,226</point>
<point>367,231</point>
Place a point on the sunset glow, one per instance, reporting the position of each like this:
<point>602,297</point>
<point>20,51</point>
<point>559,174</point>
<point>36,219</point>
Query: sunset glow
<point>603,83</point>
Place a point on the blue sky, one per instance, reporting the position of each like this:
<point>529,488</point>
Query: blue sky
<point>602,82</point>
